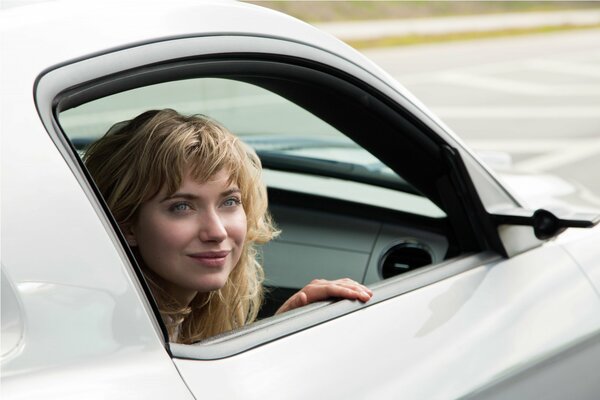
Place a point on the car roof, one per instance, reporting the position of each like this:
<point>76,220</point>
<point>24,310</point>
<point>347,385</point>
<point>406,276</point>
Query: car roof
<point>58,31</point>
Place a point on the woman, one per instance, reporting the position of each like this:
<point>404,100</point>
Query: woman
<point>189,199</point>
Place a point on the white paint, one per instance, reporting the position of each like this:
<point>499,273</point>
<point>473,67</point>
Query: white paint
<point>531,112</point>
<point>537,145</point>
<point>561,157</point>
<point>517,87</point>
<point>554,153</point>
<point>581,64</point>
<point>580,69</point>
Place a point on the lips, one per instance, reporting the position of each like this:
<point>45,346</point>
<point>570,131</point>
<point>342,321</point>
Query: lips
<point>210,258</point>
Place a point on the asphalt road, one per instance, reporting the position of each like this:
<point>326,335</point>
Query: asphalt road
<point>534,97</point>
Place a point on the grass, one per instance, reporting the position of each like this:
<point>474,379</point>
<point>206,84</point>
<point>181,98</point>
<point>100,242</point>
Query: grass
<point>409,40</point>
<point>334,11</point>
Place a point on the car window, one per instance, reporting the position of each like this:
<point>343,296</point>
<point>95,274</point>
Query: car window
<point>286,137</point>
<point>359,184</point>
<point>342,212</point>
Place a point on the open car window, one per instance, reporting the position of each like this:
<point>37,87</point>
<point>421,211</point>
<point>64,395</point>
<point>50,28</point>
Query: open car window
<point>359,188</point>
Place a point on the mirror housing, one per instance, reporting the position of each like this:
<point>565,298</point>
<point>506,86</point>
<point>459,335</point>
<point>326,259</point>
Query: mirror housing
<point>545,224</point>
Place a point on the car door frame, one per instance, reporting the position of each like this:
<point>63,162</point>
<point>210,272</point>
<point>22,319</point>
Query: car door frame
<point>84,79</point>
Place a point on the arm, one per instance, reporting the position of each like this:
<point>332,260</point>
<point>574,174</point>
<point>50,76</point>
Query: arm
<point>321,289</point>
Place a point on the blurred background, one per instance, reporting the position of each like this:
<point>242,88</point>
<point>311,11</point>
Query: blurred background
<point>518,81</point>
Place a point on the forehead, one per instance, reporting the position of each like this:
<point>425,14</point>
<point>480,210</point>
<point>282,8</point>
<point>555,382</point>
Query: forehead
<point>223,174</point>
<point>221,180</point>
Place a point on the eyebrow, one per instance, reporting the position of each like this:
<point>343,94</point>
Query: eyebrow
<point>190,196</point>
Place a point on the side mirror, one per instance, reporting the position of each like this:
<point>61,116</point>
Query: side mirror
<point>546,224</point>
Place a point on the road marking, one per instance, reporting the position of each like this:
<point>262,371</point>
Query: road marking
<point>580,57</point>
<point>560,157</point>
<point>436,76</point>
<point>554,112</point>
<point>554,153</point>
<point>562,67</point>
<point>517,87</point>
<point>541,145</point>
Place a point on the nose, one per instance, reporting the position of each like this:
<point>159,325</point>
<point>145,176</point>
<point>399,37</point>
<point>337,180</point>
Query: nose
<point>212,228</point>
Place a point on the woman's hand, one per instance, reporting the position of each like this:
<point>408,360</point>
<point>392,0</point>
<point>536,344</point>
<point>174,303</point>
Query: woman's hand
<point>321,289</point>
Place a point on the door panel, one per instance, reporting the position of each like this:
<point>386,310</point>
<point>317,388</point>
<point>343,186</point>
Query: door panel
<point>441,341</point>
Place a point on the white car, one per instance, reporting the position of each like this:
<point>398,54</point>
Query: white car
<point>475,295</point>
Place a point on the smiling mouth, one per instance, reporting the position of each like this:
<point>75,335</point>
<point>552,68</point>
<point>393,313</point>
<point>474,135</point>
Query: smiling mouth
<point>210,259</point>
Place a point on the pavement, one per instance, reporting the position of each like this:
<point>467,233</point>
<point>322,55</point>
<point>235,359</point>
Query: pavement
<point>376,29</point>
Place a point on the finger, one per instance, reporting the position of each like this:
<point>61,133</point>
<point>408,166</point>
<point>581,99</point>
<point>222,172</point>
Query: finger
<point>365,292</point>
<point>355,286</point>
<point>297,300</point>
<point>344,281</point>
<point>301,299</point>
<point>323,291</point>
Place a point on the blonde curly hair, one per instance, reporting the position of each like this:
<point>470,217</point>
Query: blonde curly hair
<point>136,159</point>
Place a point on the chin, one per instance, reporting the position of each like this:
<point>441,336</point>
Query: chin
<point>212,285</point>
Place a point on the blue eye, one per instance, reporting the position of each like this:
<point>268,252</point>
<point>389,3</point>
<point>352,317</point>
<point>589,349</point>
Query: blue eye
<point>179,207</point>
<point>232,202</point>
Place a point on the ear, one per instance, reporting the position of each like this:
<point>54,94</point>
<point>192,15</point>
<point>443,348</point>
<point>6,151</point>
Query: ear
<point>129,234</point>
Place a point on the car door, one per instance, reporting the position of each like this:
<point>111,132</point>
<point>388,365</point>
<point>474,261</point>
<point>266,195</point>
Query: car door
<point>76,322</point>
<point>435,331</point>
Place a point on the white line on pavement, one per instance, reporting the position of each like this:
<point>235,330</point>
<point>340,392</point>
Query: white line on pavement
<point>565,67</point>
<point>560,157</point>
<point>584,59</point>
<point>517,87</point>
<point>537,145</point>
<point>554,112</point>
<point>553,153</point>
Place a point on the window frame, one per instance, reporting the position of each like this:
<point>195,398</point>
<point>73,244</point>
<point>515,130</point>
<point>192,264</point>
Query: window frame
<point>52,95</point>
<point>251,67</point>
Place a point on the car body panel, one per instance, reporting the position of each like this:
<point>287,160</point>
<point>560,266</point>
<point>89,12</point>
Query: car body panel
<point>127,375</point>
<point>570,374</point>
<point>13,326</point>
<point>442,341</point>
<point>577,243</point>
<point>82,326</point>
<point>81,307</point>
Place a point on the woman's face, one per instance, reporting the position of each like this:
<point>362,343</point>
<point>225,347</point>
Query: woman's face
<point>192,239</point>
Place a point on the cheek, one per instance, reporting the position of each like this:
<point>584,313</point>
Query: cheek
<point>237,234</point>
<point>237,228</point>
<point>156,235</point>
